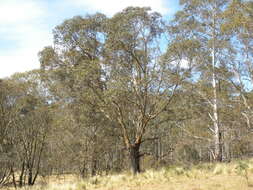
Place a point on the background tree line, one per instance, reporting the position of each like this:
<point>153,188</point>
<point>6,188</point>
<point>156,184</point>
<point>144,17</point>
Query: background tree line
<point>132,90</point>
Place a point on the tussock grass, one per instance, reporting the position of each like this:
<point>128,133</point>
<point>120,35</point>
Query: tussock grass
<point>237,175</point>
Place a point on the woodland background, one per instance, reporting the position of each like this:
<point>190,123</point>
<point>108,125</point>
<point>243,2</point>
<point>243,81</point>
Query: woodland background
<point>133,91</point>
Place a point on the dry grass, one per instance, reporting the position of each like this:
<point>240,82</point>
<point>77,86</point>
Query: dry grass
<point>232,176</point>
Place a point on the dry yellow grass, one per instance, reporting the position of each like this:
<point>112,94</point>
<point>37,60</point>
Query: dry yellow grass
<point>232,176</point>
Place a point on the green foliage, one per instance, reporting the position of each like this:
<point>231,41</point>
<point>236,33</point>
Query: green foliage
<point>108,92</point>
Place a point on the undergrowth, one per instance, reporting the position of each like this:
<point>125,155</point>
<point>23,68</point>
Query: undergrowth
<point>206,176</point>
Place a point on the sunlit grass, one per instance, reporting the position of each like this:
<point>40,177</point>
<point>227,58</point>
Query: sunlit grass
<point>237,175</point>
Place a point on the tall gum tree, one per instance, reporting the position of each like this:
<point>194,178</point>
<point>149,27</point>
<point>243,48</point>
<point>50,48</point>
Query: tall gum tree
<point>118,61</point>
<point>239,19</point>
<point>140,84</point>
<point>197,28</point>
<point>71,68</point>
<point>9,111</point>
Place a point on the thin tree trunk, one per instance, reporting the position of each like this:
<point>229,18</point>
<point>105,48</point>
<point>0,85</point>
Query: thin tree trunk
<point>215,119</point>
<point>217,131</point>
<point>83,171</point>
<point>21,177</point>
<point>93,167</point>
<point>30,176</point>
<point>13,177</point>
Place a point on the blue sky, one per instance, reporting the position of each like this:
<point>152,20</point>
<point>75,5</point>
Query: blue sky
<point>26,25</point>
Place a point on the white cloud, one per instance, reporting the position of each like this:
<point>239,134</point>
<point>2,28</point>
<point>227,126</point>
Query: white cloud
<point>25,26</point>
<point>110,7</point>
<point>13,11</point>
<point>19,61</point>
<point>24,57</point>
<point>22,31</point>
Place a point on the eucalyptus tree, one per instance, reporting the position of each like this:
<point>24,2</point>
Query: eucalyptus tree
<point>197,39</point>
<point>115,66</point>
<point>140,84</point>
<point>239,19</point>
<point>239,16</point>
<point>70,69</point>
<point>20,140</point>
<point>32,124</point>
<point>9,110</point>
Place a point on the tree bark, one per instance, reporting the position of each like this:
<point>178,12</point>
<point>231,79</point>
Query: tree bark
<point>21,177</point>
<point>134,155</point>
<point>13,177</point>
<point>93,167</point>
<point>30,176</point>
<point>215,119</point>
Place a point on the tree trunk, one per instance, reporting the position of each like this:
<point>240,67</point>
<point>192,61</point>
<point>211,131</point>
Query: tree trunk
<point>134,154</point>
<point>30,176</point>
<point>21,177</point>
<point>93,167</point>
<point>217,130</point>
<point>83,170</point>
<point>13,177</point>
<point>215,119</point>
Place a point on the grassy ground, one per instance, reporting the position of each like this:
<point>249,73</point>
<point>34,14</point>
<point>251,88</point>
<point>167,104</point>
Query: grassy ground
<point>237,175</point>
